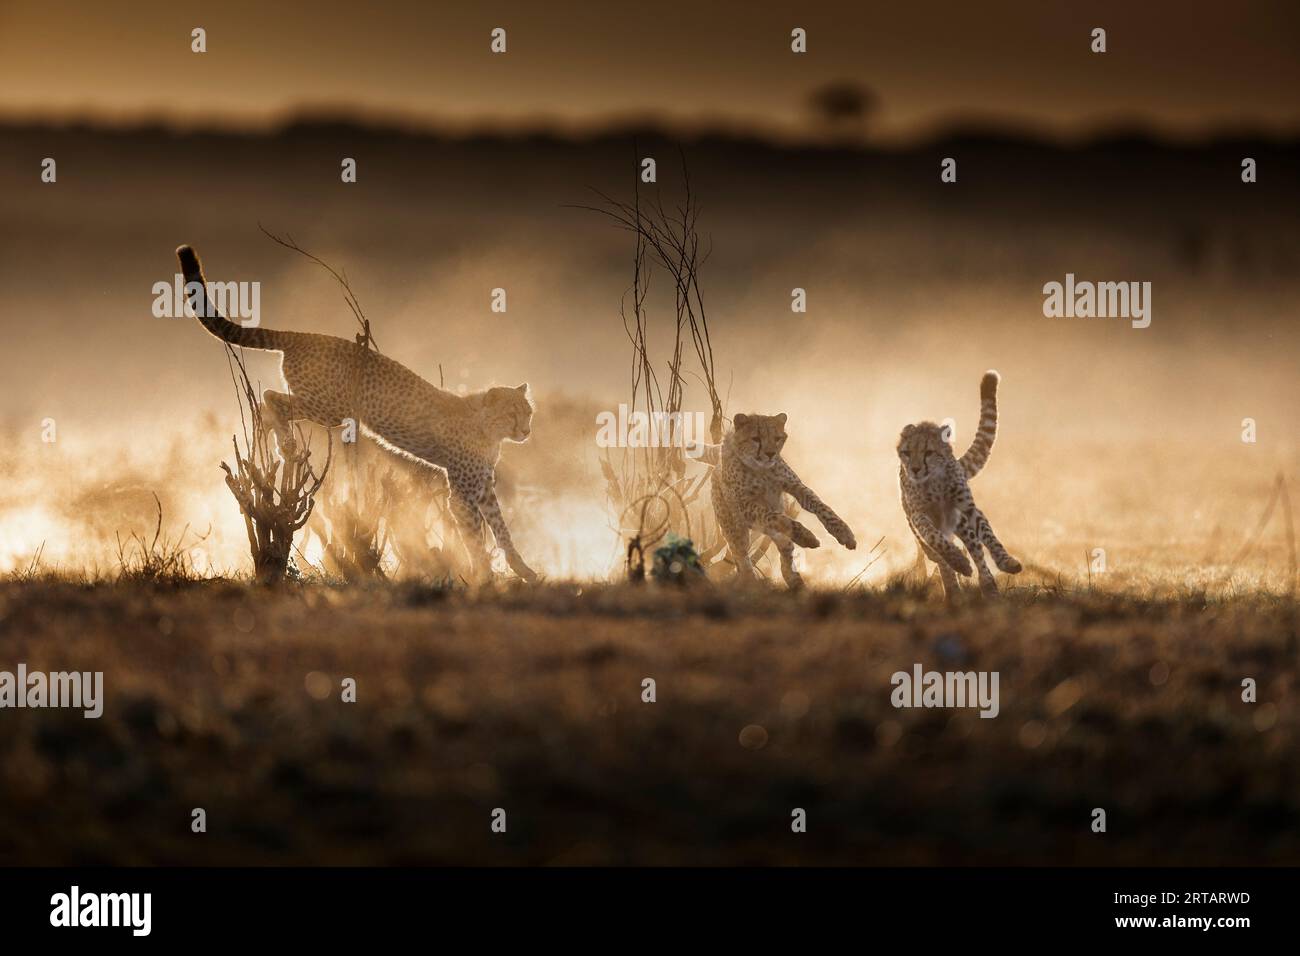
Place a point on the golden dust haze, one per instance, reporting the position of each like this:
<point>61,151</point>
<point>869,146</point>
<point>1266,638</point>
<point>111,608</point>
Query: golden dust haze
<point>1112,437</point>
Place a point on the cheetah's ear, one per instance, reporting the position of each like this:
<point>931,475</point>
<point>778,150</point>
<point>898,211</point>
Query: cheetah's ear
<point>523,389</point>
<point>908,429</point>
<point>740,421</point>
<point>780,418</point>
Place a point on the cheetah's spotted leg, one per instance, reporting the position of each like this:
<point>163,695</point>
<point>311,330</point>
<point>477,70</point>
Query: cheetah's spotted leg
<point>941,545</point>
<point>491,509</point>
<point>951,588</point>
<point>1001,558</point>
<point>809,501</point>
<point>737,537</point>
<point>968,529</point>
<point>281,409</point>
<point>946,576</point>
<point>792,577</point>
<point>778,525</point>
<point>470,524</point>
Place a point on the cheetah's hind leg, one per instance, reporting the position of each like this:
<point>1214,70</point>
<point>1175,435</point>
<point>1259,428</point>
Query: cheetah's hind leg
<point>520,568</point>
<point>792,578</point>
<point>737,538</point>
<point>970,532</point>
<point>279,412</point>
<point>1001,558</point>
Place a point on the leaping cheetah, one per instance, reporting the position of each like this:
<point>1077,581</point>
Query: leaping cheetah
<point>331,379</point>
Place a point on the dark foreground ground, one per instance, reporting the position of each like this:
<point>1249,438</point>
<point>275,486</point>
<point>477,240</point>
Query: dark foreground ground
<point>228,699</point>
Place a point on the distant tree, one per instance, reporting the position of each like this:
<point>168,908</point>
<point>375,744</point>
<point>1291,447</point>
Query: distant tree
<point>843,104</point>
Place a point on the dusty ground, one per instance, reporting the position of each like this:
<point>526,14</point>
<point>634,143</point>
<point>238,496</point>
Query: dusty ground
<point>227,698</point>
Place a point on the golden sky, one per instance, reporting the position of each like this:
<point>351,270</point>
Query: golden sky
<point>1180,67</point>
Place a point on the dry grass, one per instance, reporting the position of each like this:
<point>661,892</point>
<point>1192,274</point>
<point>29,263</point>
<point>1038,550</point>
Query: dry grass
<point>161,559</point>
<point>647,490</point>
<point>530,699</point>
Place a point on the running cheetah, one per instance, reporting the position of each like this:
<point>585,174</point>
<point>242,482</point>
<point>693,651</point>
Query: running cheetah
<point>932,483</point>
<point>331,379</point>
<point>749,478</point>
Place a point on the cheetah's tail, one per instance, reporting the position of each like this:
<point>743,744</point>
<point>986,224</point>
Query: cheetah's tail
<point>977,455</point>
<point>212,319</point>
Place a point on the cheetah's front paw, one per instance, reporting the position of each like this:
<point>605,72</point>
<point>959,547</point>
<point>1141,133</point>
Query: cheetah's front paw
<point>959,563</point>
<point>524,571</point>
<point>1009,564</point>
<point>841,533</point>
<point>802,536</point>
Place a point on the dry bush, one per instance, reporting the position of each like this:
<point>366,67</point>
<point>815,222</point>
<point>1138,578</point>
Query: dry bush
<point>649,490</point>
<point>276,494</point>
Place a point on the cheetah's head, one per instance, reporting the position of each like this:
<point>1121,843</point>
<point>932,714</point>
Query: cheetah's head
<point>509,412</point>
<point>923,449</point>
<point>759,438</point>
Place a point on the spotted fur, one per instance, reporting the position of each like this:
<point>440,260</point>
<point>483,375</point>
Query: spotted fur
<point>747,484</point>
<point>331,379</point>
<point>937,500</point>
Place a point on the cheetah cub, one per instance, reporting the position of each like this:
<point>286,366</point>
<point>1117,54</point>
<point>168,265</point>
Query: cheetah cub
<point>331,379</point>
<point>932,483</point>
<point>749,478</point>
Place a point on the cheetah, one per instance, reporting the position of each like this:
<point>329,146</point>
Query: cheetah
<point>331,379</point>
<point>933,486</point>
<point>748,481</point>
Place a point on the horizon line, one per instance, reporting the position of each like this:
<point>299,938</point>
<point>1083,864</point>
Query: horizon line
<point>861,136</point>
